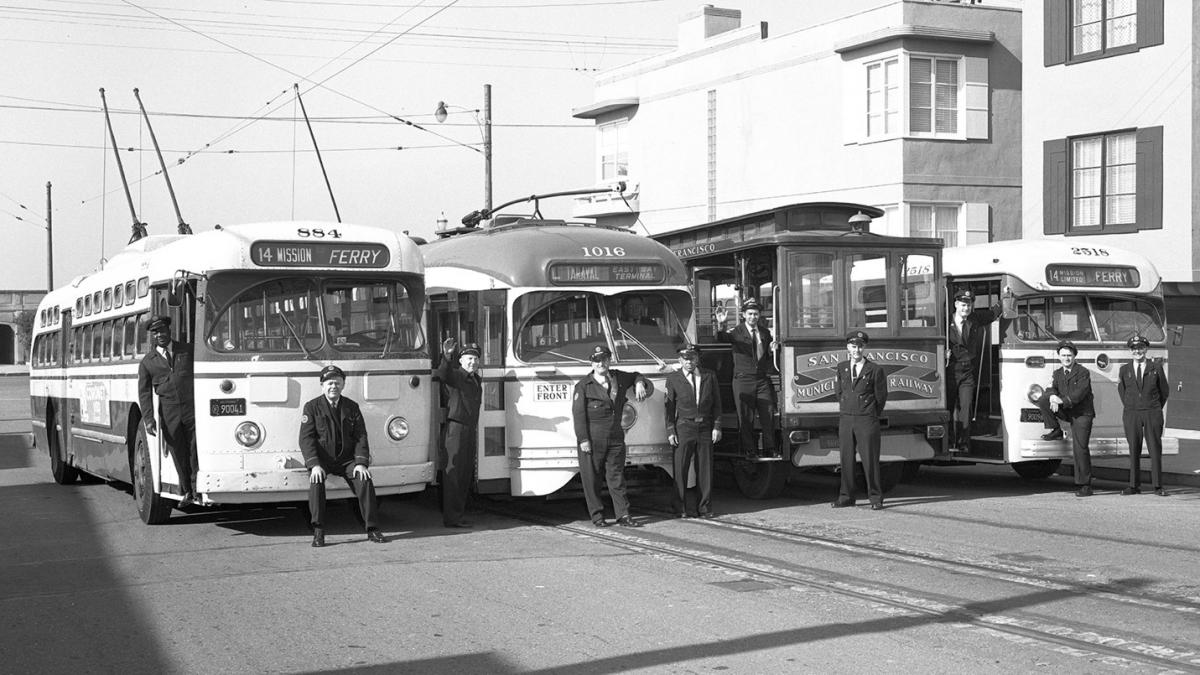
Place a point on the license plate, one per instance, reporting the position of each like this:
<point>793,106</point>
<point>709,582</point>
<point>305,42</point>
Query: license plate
<point>226,407</point>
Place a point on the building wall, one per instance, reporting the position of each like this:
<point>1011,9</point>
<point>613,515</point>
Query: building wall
<point>12,304</point>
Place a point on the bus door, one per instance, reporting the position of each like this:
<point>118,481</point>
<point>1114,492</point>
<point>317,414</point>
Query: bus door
<point>987,425</point>
<point>716,287</point>
<point>59,425</point>
<point>178,301</point>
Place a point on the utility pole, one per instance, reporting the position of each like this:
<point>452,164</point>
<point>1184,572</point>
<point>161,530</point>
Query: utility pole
<point>49,242</point>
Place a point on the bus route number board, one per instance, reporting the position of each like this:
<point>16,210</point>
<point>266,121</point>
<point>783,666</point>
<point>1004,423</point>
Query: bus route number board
<point>226,407</point>
<point>1092,275</point>
<point>319,254</point>
<point>607,273</point>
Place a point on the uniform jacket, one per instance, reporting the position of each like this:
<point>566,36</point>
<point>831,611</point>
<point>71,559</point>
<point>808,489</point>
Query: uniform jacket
<point>742,340</point>
<point>1075,389</point>
<point>317,435</point>
<point>596,414</point>
<point>464,392</point>
<point>682,405</point>
<point>172,382</point>
<point>864,396</point>
<point>1151,395</point>
<point>965,347</point>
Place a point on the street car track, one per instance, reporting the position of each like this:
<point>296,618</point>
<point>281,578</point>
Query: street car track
<point>1071,638</point>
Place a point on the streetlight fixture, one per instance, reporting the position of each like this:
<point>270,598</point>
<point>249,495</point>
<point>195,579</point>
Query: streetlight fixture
<point>485,128</point>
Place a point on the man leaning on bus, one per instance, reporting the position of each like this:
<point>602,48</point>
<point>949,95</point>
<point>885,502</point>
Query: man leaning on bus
<point>1070,398</point>
<point>166,370</point>
<point>333,438</point>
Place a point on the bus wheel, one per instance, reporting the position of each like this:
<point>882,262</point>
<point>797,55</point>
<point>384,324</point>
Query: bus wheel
<point>761,480</point>
<point>153,509</point>
<point>1037,469</point>
<point>64,474</point>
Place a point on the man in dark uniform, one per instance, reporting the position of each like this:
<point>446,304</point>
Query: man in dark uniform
<point>459,375</point>
<point>861,389</point>
<point>1070,398</point>
<point>753,365</point>
<point>964,347</point>
<point>596,409</point>
<point>333,439</point>
<point>1142,386</point>
<point>167,370</point>
<point>693,410</point>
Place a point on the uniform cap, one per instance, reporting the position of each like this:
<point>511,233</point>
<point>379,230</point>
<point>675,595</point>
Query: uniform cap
<point>1067,344</point>
<point>857,337</point>
<point>470,349</point>
<point>159,322</point>
<point>1137,341</point>
<point>689,351</point>
<point>332,371</point>
<point>964,295</point>
<point>600,353</point>
<point>751,303</point>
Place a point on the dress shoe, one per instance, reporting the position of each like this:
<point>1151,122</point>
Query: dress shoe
<point>843,503</point>
<point>376,536</point>
<point>188,500</point>
<point>876,506</point>
<point>1055,435</point>
<point>707,515</point>
<point>626,521</point>
<point>1161,492</point>
<point>1084,491</point>
<point>318,537</point>
<point>1130,491</point>
<point>682,514</point>
<point>600,522</point>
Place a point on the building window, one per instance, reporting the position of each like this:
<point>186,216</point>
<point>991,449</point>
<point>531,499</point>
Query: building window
<point>933,96</point>
<point>1104,180</point>
<point>883,98</point>
<point>937,221</point>
<point>614,150</point>
<point>1099,26</point>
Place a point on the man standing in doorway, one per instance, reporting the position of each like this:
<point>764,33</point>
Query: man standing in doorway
<point>861,390</point>
<point>459,375</point>
<point>166,370</point>
<point>1070,398</point>
<point>753,365</point>
<point>964,351</point>
<point>1142,386</point>
<point>693,410</point>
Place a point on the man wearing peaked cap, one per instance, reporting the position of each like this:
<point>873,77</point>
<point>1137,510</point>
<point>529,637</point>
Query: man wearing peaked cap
<point>964,351</point>
<point>166,370</point>
<point>1142,387</point>
<point>333,440</point>
<point>596,406</point>
<point>753,364</point>
<point>861,390</point>
<point>1069,397</point>
<point>693,411</point>
<point>463,389</point>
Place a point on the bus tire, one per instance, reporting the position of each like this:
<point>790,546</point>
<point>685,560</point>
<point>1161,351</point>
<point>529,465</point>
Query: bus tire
<point>64,473</point>
<point>761,480</point>
<point>1036,469</point>
<point>152,508</point>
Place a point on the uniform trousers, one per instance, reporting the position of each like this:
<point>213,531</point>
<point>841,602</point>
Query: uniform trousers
<point>755,397</point>
<point>363,488</point>
<point>695,448</point>
<point>179,433</point>
<point>607,461</point>
<point>1148,425</point>
<point>1081,434</point>
<point>461,444</point>
<point>960,395</point>
<point>861,431</point>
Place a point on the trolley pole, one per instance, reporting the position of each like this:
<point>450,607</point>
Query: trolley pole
<point>487,147</point>
<point>49,242</point>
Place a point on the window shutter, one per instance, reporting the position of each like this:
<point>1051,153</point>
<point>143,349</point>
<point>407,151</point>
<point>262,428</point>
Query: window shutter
<point>1149,23</point>
<point>976,81</point>
<point>1054,43</point>
<point>1149,178</point>
<point>1055,197</point>
<point>978,223</point>
<point>854,103</point>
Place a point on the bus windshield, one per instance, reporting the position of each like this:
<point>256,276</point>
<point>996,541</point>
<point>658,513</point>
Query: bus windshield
<point>1088,318</point>
<point>370,318</point>
<point>567,325</point>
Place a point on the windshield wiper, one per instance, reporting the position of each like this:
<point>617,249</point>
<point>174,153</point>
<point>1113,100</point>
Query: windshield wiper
<point>288,323</point>
<point>662,365</point>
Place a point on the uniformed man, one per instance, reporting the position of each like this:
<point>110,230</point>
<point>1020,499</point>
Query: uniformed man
<point>1070,398</point>
<point>861,389</point>
<point>964,342</point>
<point>459,375</point>
<point>1142,386</point>
<point>166,370</point>
<point>753,365</point>
<point>596,409</point>
<point>693,408</point>
<point>333,439</point>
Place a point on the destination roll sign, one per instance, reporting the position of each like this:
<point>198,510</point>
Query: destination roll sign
<point>348,255</point>
<point>1104,276</point>
<point>582,274</point>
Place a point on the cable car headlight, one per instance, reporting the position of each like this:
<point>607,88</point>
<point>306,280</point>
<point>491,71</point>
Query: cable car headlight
<point>628,416</point>
<point>1036,392</point>
<point>397,428</point>
<point>248,434</point>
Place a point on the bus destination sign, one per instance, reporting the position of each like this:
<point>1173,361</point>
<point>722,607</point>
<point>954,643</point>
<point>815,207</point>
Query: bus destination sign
<point>319,254</point>
<point>582,274</point>
<point>1103,276</point>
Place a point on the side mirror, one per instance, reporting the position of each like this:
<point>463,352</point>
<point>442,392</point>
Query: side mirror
<point>1008,307</point>
<point>175,293</point>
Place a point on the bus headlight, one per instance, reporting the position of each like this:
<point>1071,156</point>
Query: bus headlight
<point>1036,392</point>
<point>628,417</point>
<point>248,434</point>
<point>397,428</point>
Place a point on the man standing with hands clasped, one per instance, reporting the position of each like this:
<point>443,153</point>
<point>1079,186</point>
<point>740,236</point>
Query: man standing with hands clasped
<point>1142,386</point>
<point>1070,398</point>
<point>861,390</point>
<point>753,365</point>
<point>693,410</point>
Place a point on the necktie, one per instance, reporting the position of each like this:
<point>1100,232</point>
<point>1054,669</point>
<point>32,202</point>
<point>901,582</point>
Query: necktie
<point>757,345</point>
<point>854,371</point>
<point>1139,373</point>
<point>695,387</point>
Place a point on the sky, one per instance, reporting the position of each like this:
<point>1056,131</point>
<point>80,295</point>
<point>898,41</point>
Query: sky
<point>217,79</point>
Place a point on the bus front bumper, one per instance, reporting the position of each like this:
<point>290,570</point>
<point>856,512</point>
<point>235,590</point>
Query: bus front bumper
<point>290,485</point>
